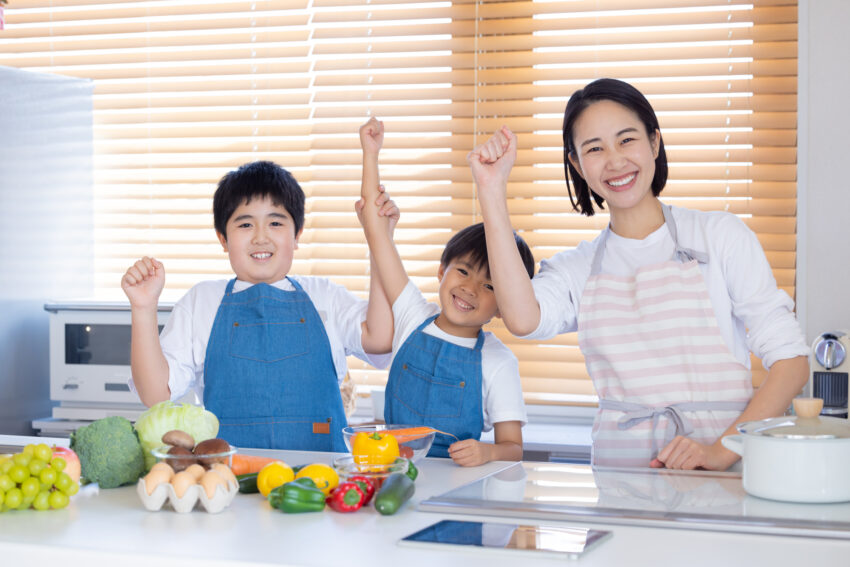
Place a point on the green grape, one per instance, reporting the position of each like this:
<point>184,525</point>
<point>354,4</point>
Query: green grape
<point>58,500</point>
<point>30,487</point>
<point>22,459</point>
<point>42,501</point>
<point>43,452</point>
<point>19,473</point>
<point>2,498</point>
<point>26,502</point>
<point>14,498</point>
<point>29,450</point>
<point>47,476</point>
<point>63,481</point>
<point>36,466</point>
<point>6,465</point>
<point>72,489</point>
<point>58,463</point>
<point>6,483</point>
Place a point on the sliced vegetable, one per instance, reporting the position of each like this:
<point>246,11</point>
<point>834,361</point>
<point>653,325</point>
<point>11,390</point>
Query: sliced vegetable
<point>378,448</point>
<point>248,483</point>
<point>347,497</point>
<point>244,464</point>
<point>397,489</point>
<point>366,486</point>
<point>300,495</point>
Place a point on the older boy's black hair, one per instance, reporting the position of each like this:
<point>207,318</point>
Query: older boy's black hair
<point>622,93</point>
<point>471,241</point>
<point>258,179</point>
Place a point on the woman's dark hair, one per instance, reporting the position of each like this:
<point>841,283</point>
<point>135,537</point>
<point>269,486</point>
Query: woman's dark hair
<point>258,179</point>
<point>629,97</point>
<point>471,241</point>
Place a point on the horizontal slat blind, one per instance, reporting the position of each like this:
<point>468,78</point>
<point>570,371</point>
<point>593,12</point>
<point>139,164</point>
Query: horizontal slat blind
<point>186,90</point>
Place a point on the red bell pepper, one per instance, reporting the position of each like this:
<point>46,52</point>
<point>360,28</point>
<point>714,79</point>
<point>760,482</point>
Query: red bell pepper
<point>366,486</point>
<point>347,497</point>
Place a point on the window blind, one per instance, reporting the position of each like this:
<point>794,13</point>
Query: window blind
<point>186,90</point>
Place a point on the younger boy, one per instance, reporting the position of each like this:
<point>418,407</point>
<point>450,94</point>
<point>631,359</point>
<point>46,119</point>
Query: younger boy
<point>265,350</point>
<point>446,372</point>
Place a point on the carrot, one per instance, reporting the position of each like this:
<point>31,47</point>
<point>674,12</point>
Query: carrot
<point>243,464</point>
<point>411,433</point>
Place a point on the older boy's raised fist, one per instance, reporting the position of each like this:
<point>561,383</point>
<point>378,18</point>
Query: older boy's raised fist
<point>143,282</point>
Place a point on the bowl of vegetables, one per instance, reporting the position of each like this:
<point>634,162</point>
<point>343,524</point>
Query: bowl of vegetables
<point>349,469</point>
<point>368,442</point>
<point>181,452</point>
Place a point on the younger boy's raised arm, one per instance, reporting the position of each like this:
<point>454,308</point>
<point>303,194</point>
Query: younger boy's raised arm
<point>378,223</point>
<point>142,283</point>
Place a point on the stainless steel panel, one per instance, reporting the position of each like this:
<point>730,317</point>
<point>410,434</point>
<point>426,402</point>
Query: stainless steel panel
<point>698,500</point>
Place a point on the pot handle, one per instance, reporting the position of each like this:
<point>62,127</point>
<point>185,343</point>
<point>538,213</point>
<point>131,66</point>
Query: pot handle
<point>734,443</point>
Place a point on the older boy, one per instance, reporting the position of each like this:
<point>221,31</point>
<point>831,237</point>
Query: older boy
<point>266,350</point>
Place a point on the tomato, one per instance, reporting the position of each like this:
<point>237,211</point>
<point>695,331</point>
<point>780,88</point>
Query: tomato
<point>272,475</point>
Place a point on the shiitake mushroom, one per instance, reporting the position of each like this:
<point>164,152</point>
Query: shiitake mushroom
<point>211,447</point>
<point>183,458</point>
<point>179,438</point>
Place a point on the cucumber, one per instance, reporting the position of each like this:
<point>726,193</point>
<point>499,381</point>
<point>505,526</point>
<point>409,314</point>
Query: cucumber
<point>248,483</point>
<point>397,489</point>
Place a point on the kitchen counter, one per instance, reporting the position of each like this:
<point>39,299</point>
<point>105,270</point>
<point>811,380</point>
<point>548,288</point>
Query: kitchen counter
<point>111,527</point>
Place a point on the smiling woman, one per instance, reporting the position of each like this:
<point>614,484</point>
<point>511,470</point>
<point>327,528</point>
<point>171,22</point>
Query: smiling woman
<point>185,91</point>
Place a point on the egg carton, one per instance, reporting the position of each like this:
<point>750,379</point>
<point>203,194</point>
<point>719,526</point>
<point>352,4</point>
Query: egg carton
<point>194,494</point>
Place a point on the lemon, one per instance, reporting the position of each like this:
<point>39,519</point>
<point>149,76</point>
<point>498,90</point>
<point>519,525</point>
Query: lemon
<point>323,475</point>
<point>274,474</point>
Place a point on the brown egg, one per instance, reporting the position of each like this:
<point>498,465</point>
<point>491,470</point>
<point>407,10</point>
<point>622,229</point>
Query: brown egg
<point>162,465</point>
<point>181,483</point>
<point>156,477</point>
<point>225,472</point>
<point>196,471</point>
<point>211,481</point>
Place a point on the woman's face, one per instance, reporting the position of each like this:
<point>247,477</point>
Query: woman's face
<point>614,154</point>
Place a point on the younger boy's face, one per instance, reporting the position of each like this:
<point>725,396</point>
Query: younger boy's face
<point>467,300</point>
<point>261,241</point>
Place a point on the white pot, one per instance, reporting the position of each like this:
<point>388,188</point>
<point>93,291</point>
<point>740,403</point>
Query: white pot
<point>795,459</point>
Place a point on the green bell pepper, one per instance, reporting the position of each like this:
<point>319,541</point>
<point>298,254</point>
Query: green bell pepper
<point>412,471</point>
<point>300,495</point>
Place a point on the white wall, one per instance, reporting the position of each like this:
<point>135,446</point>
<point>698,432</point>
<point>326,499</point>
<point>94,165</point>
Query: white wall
<point>46,227</point>
<point>823,298</point>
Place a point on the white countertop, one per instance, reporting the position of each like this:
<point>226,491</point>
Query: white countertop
<point>112,528</point>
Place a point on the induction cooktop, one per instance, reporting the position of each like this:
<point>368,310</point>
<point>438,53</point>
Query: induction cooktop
<point>697,500</point>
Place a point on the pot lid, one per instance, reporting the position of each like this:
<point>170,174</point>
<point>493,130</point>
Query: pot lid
<point>791,427</point>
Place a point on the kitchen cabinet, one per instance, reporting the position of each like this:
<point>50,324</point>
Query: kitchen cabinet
<point>112,528</point>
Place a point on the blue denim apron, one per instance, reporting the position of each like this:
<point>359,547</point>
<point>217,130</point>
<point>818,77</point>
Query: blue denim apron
<point>436,383</point>
<point>269,374</point>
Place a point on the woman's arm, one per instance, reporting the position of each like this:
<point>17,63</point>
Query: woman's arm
<point>491,164</point>
<point>785,380</point>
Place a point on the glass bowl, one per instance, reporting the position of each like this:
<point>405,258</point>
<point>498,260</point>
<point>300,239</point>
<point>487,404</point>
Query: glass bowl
<point>182,462</point>
<point>346,468</point>
<point>412,447</point>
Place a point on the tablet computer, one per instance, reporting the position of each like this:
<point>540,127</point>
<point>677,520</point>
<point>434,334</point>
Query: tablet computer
<point>526,539</point>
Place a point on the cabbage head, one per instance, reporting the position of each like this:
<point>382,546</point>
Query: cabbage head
<point>165,416</point>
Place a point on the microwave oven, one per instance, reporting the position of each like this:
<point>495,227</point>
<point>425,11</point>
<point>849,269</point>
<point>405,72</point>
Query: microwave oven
<point>89,364</point>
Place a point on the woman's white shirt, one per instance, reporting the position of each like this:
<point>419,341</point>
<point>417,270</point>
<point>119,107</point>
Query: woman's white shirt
<point>752,313</point>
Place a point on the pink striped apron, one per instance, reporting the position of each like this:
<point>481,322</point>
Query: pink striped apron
<point>657,359</point>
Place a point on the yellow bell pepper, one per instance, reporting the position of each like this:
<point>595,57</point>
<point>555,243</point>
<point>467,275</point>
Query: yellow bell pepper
<point>376,448</point>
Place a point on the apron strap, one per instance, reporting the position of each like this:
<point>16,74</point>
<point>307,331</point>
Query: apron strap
<point>634,414</point>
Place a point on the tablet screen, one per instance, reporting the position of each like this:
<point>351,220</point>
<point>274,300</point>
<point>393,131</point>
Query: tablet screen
<point>529,538</point>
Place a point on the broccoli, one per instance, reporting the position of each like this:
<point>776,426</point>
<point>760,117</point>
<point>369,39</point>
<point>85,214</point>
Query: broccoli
<point>110,452</point>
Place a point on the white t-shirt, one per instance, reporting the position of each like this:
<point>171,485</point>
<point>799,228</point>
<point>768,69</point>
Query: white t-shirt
<point>752,313</point>
<point>501,387</point>
<point>186,334</point>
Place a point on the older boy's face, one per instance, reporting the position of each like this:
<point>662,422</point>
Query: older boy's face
<point>260,241</point>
